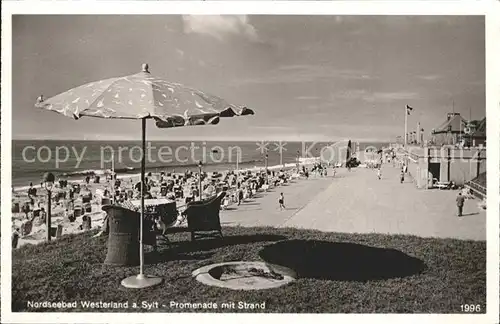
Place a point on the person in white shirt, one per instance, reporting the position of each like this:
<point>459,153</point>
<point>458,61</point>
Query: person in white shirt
<point>281,201</point>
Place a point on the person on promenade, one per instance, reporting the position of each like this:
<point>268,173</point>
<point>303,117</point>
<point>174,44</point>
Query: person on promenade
<point>281,201</point>
<point>31,191</point>
<point>460,203</point>
<point>379,173</point>
<point>402,176</point>
<point>240,195</point>
<point>334,171</point>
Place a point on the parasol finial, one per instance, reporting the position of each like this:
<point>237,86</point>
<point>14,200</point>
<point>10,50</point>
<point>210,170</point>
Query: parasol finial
<point>145,67</point>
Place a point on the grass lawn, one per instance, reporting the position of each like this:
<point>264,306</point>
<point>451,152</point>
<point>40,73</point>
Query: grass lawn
<point>338,273</point>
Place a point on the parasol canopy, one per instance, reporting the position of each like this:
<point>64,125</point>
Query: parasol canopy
<point>142,95</point>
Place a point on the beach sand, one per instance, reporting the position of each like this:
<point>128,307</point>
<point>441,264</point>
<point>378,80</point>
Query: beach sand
<point>38,232</point>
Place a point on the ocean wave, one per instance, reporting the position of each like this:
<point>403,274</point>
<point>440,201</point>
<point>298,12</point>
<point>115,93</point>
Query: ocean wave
<point>127,169</point>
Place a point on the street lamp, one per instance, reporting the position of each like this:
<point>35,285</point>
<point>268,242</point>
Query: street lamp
<point>48,183</point>
<point>267,157</point>
<point>237,160</point>
<point>200,165</point>
<point>298,161</point>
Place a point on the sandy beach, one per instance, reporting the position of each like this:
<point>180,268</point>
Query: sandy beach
<point>37,234</point>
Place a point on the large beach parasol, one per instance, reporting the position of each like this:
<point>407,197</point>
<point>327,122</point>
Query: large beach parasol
<point>142,96</point>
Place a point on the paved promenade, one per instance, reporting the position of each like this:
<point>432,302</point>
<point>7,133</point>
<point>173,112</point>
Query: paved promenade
<point>264,209</point>
<point>357,202</point>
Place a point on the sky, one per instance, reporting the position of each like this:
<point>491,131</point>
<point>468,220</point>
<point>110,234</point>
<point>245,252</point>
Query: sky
<point>319,78</point>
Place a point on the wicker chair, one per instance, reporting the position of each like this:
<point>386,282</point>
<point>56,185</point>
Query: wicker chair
<point>203,216</point>
<point>123,240</point>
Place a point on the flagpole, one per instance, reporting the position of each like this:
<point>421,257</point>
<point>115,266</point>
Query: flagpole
<point>417,139</point>
<point>459,139</point>
<point>406,127</point>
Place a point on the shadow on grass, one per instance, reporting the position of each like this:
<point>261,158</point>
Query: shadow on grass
<point>207,244</point>
<point>167,254</point>
<point>341,261</point>
<point>198,250</point>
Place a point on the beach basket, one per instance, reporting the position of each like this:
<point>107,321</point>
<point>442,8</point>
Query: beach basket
<point>15,240</point>
<point>77,212</point>
<point>123,241</point>
<point>15,207</point>
<point>26,208</point>
<point>87,207</point>
<point>26,228</point>
<point>86,198</point>
<point>56,231</point>
<point>39,222</point>
<point>59,231</point>
<point>86,223</point>
<point>97,179</point>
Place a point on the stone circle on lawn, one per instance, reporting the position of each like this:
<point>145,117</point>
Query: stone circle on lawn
<point>240,275</point>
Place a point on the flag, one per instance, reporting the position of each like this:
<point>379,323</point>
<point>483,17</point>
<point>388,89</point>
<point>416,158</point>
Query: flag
<point>408,109</point>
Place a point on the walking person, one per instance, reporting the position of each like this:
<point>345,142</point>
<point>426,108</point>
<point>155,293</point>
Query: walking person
<point>379,173</point>
<point>240,195</point>
<point>281,201</point>
<point>460,203</point>
<point>402,176</point>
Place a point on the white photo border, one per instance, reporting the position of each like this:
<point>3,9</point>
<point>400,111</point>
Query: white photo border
<point>489,9</point>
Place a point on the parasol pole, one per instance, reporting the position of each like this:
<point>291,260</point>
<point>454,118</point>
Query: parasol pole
<point>143,173</point>
<point>113,192</point>
<point>140,280</point>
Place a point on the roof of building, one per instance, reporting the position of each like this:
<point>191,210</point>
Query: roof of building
<point>455,124</point>
<point>481,129</point>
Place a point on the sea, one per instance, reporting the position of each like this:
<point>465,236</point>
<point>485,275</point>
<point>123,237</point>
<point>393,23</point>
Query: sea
<point>75,159</point>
